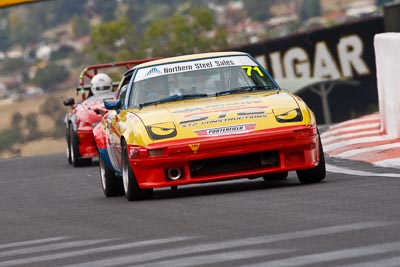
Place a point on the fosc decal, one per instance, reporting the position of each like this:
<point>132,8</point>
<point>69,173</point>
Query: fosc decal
<point>227,130</point>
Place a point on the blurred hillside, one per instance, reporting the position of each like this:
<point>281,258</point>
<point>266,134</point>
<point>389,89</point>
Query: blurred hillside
<point>45,45</point>
<point>41,44</point>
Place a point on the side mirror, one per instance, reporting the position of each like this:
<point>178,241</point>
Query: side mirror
<point>69,101</point>
<point>112,104</point>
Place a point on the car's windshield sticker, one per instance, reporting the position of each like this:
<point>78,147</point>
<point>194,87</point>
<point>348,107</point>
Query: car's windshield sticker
<point>178,67</point>
<point>219,105</point>
<point>249,70</point>
<point>153,72</point>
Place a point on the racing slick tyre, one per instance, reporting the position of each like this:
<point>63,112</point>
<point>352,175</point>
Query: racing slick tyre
<point>131,187</point>
<point>111,184</point>
<point>315,174</point>
<point>76,159</point>
<point>69,153</point>
<point>276,176</point>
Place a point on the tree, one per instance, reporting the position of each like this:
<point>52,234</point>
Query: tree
<point>113,41</point>
<point>4,32</point>
<point>16,120</point>
<point>16,125</point>
<point>48,14</point>
<point>309,9</point>
<point>105,8</point>
<point>183,34</point>
<point>7,139</point>
<point>52,108</point>
<point>21,30</point>
<point>12,135</point>
<point>80,26</point>
<point>25,24</point>
<point>189,30</point>
<point>11,65</point>
<point>258,10</point>
<point>32,125</point>
<point>51,75</point>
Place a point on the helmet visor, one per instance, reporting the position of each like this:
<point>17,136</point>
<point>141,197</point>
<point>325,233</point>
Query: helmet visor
<point>102,88</point>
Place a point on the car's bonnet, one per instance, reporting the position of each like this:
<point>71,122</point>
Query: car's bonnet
<point>232,114</point>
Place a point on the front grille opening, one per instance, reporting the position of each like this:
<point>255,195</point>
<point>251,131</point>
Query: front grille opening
<point>234,163</point>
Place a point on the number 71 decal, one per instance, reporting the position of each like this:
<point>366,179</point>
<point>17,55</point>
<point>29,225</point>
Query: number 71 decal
<point>249,69</point>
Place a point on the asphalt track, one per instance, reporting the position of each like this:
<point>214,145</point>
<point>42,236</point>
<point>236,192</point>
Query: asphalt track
<point>55,215</point>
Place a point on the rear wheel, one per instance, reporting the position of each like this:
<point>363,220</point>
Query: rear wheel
<point>131,187</point>
<point>111,184</point>
<point>76,159</point>
<point>315,174</point>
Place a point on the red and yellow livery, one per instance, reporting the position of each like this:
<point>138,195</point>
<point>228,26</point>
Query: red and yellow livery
<point>204,118</point>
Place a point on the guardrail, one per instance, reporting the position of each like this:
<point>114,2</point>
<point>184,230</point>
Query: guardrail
<point>387,57</point>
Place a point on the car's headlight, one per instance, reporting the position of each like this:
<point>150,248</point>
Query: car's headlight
<point>161,130</point>
<point>287,115</point>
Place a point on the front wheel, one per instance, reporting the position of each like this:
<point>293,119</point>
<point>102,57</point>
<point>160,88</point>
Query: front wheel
<point>315,174</point>
<point>131,187</point>
<point>73,150</point>
<point>69,152</point>
<point>111,184</point>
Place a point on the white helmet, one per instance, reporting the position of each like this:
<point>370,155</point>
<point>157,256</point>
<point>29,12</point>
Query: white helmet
<point>101,83</point>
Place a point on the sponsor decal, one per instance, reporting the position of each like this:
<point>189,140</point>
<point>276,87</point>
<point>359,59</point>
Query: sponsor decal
<point>227,130</point>
<point>177,68</point>
<point>241,104</point>
<point>250,69</point>
<point>191,65</point>
<point>235,105</point>
<point>153,72</point>
<point>229,115</point>
<point>194,147</point>
<point>347,61</point>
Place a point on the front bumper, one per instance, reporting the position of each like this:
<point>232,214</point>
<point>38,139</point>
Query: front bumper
<point>228,157</point>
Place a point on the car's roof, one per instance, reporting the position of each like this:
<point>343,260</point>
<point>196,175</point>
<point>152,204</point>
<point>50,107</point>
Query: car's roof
<point>189,57</point>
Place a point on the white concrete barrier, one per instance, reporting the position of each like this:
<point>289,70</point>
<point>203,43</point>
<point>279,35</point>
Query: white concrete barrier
<point>387,56</point>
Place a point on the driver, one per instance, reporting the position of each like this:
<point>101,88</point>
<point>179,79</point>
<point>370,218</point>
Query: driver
<point>157,88</point>
<point>202,81</point>
<point>101,83</point>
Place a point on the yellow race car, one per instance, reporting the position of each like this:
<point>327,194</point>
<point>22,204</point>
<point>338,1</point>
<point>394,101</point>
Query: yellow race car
<point>203,118</point>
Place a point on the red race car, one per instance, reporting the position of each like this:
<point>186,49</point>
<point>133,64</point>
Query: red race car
<point>94,87</point>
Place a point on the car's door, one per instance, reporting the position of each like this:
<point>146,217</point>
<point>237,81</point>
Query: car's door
<point>113,130</point>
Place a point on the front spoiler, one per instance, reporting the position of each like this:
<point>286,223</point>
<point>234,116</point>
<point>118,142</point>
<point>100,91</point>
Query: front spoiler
<point>293,151</point>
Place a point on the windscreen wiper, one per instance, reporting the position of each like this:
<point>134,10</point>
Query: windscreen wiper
<point>173,98</point>
<point>242,89</point>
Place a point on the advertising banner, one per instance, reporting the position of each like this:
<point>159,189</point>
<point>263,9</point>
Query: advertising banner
<point>339,59</point>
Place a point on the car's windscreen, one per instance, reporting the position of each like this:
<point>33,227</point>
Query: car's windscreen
<point>100,96</point>
<point>198,78</point>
